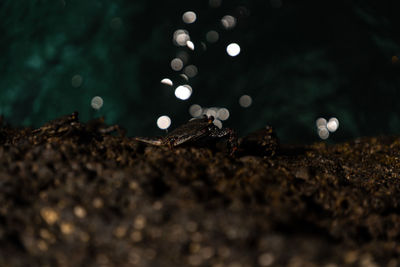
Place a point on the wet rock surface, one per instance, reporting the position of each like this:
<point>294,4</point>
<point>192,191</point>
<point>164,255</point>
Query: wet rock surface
<point>75,194</point>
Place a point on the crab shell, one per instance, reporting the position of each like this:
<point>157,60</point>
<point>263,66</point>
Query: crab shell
<point>192,132</point>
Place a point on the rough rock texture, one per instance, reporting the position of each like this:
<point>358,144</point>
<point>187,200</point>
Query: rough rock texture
<point>73,194</point>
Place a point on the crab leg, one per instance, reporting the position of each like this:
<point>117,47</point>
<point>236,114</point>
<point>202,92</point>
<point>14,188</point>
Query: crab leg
<point>232,137</point>
<point>192,138</point>
<point>151,141</point>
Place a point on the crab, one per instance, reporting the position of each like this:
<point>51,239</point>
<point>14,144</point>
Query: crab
<point>69,124</point>
<point>195,131</point>
<point>60,125</point>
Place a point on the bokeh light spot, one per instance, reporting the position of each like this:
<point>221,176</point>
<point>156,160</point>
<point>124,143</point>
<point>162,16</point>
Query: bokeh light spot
<point>163,122</point>
<point>76,81</point>
<point>233,49</point>
<point>190,45</point>
<point>190,71</point>
<point>332,125</point>
<point>183,92</point>
<point>203,46</point>
<point>212,36</point>
<point>195,110</point>
<point>228,22</point>
<point>211,112</point>
<point>176,64</point>
<point>245,101</point>
<point>189,17</point>
<point>266,259</point>
<point>167,81</point>
<point>181,37</point>
<point>80,211</point>
<point>323,133</point>
<point>185,77</point>
<point>321,123</point>
<point>218,123</point>
<point>97,102</point>
<point>324,127</point>
<point>49,215</point>
<point>223,114</point>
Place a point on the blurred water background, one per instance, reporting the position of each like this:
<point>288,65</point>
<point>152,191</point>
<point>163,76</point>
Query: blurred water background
<point>311,69</point>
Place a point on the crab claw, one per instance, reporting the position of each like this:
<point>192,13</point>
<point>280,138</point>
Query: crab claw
<point>233,151</point>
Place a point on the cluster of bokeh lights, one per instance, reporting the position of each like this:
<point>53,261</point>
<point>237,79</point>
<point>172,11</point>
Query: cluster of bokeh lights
<point>324,127</point>
<point>181,38</point>
<point>219,114</point>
